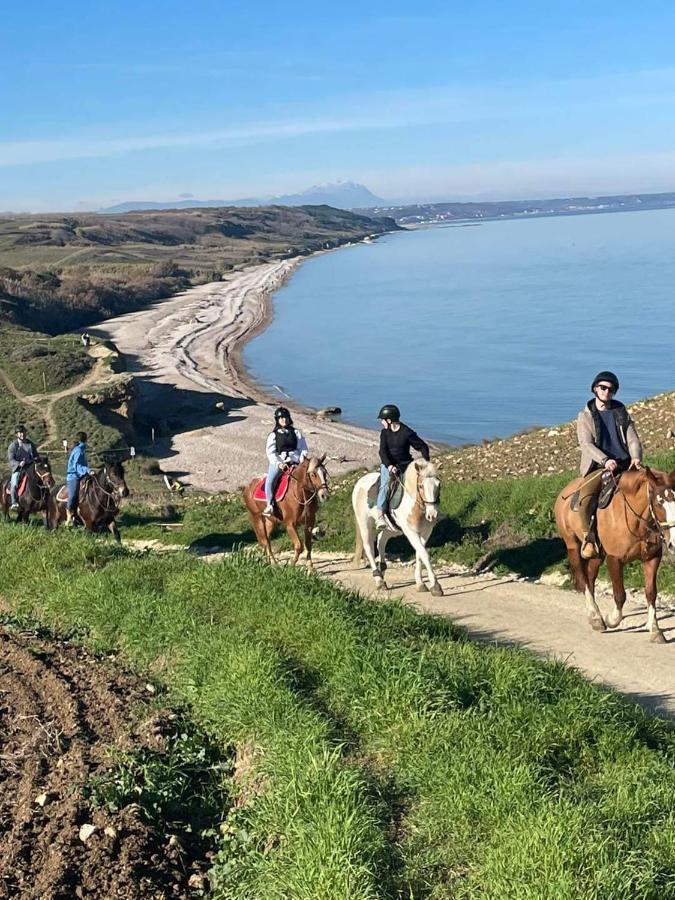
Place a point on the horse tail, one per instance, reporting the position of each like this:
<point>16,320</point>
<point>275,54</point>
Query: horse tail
<point>358,545</point>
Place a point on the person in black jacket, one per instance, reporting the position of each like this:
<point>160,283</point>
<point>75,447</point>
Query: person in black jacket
<point>20,454</point>
<point>396,439</point>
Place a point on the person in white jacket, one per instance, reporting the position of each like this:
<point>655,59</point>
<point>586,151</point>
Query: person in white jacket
<point>285,447</point>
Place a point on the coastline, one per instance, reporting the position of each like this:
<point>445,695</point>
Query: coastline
<point>185,353</point>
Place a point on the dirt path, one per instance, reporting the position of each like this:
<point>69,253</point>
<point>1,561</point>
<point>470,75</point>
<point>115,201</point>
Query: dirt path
<point>544,619</point>
<point>44,403</point>
<point>61,712</point>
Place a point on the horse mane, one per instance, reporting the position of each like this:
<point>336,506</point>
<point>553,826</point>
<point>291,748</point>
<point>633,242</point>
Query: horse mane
<point>428,469</point>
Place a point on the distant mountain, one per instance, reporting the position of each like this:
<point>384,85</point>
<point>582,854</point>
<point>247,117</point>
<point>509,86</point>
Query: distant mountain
<point>341,195</point>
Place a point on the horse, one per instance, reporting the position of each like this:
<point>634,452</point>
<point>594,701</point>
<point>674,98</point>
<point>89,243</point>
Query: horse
<point>415,518</point>
<point>35,495</point>
<point>99,500</point>
<point>638,523</point>
<point>307,487</point>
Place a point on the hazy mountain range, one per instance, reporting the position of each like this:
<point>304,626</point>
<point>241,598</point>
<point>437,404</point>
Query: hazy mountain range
<point>342,195</point>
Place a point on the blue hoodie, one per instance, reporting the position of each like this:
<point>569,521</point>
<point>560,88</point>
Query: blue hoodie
<point>77,463</point>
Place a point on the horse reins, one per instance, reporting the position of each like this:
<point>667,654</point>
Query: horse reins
<point>654,525</point>
<point>43,488</point>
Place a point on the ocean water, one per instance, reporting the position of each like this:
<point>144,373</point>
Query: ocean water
<point>478,331</point>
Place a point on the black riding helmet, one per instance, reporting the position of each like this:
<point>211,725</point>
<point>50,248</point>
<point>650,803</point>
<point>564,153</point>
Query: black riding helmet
<point>19,428</point>
<point>282,413</point>
<point>390,411</point>
<point>606,376</point>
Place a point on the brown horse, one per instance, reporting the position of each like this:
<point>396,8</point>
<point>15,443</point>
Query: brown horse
<point>307,488</point>
<point>637,524</point>
<point>99,500</point>
<point>35,496</point>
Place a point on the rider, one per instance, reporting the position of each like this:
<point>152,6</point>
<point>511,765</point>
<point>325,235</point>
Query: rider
<point>20,453</point>
<point>609,443</point>
<point>396,439</point>
<point>285,447</point>
<point>76,469</point>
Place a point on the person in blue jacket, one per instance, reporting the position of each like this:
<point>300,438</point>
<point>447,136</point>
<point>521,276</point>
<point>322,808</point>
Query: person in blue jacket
<point>76,470</point>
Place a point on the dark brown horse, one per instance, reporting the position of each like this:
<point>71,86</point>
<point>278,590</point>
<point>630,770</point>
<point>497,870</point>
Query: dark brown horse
<point>307,488</point>
<point>99,500</point>
<point>638,524</point>
<point>35,494</point>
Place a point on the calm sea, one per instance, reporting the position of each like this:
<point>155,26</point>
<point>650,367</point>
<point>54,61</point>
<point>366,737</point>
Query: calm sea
<point>482,330</point>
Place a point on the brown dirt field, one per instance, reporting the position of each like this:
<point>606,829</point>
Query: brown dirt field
<point>61,711</point>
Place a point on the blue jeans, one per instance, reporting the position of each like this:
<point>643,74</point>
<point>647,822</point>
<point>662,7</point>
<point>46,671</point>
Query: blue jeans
<point>273,474</point>
<point>385,476</point>
<point>14,484</point>
<point>73,493</point>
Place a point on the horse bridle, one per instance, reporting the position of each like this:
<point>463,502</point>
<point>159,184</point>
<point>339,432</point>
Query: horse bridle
<point>302,484</point>
<point>420,498</point>
<point>43,488</point>
<point>654,525</point>
<point>115,494</point>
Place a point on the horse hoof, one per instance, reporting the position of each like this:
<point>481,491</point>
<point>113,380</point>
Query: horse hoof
<point>380,584</point>
<point>657,637</point>
<point>437,590</point>
<point>614,621</point>
<point>598,623</point>
<point>422,588</point>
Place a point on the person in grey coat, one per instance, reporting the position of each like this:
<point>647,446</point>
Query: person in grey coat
<point>20,454</point>
<point>609,443</point>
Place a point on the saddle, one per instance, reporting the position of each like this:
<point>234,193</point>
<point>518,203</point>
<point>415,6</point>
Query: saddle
<point>394,493</point>
<point>23,481</point>
<point>280,490</point>
<point>607,491</point>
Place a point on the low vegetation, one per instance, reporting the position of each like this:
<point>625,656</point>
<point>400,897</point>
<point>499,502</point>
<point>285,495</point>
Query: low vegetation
<point>379,753</point>
<point>63,272</point>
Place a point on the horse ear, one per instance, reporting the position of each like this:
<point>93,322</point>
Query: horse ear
<point>418,465</point>
<point>653,477</point>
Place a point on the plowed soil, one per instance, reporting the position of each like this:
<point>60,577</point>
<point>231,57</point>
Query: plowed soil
<point>61,712</point>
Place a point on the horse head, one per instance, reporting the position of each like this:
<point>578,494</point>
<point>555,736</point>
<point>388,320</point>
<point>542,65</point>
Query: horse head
<point>318,476</point>
<point>43,471</point>
<point>113,472</point>
<point>422,481</point>
<point>662,500</point>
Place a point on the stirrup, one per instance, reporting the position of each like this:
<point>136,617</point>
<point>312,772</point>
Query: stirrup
<point>268,511</point>
<point>590,548</point>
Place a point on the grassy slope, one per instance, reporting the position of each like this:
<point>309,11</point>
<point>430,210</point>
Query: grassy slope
<point>386,757</point>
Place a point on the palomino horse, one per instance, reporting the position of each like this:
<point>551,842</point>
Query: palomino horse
<point>307,488</point>
<point>35,494</point>
<point>99,500</point>
<point>415,518</point>
<point>637,524</point>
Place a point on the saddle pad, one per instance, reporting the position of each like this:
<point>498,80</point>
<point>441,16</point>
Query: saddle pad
<point>62,494</point>
<point>279,494</point>
<point>23,481</point>
<point>395,495</point>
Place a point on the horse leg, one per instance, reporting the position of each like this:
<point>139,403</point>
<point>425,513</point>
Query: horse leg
<point>581,572</point>
<point>422,553</point>
<point>114,530</point>
<point>310,515</point>
<point>292,532</point>
<point>615,569</point>
<point>368,549</point>
<point>650,567</point>
<point>382,541</point>
<point>260,528</point>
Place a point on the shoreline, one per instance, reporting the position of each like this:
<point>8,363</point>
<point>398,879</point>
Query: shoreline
<point>185,354</point>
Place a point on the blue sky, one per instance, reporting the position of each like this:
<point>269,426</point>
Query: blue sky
<point>107,102</point>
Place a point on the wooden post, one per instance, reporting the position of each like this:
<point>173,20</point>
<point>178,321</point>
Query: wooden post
<point>153,435</point>
<point>44,381</point>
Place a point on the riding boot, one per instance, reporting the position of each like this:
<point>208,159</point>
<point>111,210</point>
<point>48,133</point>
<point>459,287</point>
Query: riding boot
<point>589,546</point>
<point>70,517</point>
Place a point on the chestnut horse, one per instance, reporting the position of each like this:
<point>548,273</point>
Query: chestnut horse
<point>35,497</point>
<point>99,500</point>
<point>307,488</point>
<point>638,523</point>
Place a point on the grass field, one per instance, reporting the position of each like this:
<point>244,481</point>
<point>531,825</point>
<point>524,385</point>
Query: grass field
<point>380,755</point>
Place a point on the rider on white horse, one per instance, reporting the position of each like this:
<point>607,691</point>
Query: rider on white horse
<point>396,439</point>
<point>285,447</point>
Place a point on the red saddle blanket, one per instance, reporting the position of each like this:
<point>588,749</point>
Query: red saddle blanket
<point>280,492</point>
<point>22,486</point>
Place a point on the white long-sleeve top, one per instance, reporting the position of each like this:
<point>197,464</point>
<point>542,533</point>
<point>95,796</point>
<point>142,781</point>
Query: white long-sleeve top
<point>288,456</point>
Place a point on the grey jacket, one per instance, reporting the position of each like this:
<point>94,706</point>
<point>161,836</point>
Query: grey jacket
<point>21,452</point>
<point>589,440</point>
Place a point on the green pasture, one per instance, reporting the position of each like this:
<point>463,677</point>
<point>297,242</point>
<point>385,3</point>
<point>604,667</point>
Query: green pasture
<point>379,753</point>
<point>32,360</point>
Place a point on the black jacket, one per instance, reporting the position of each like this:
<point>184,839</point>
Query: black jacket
<point>395,446</point>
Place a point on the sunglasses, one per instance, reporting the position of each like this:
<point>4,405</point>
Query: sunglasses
<point>605,387</point>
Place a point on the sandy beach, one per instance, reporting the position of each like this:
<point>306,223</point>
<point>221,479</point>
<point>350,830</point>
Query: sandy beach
<point>184,352</point>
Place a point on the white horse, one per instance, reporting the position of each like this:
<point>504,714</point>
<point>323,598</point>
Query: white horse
<point>414,517</point>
